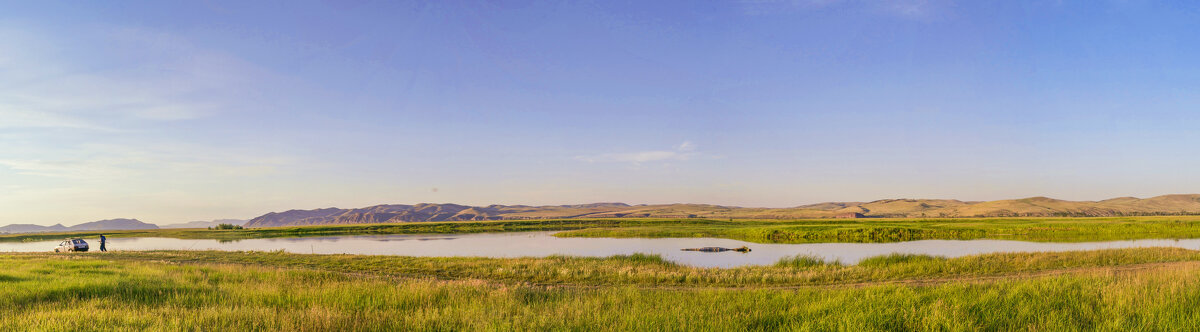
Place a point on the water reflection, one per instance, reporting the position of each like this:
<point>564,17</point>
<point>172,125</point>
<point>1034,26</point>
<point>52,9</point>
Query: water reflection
<point>539,244</point>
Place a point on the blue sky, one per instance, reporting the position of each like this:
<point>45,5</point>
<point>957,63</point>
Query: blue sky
<point>179,111</point>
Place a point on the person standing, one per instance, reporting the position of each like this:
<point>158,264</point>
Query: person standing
<point>103,240</point>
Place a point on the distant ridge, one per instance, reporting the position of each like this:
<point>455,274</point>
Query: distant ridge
<point>907,208</point>
<point>31,228</point>
<point>102,225</point>
<point>205,224</point>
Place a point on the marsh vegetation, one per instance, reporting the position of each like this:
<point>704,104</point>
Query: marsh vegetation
<point>1120,289</point>
<point>1112,290</point>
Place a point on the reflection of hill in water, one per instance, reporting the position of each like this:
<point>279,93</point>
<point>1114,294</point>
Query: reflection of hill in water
<point>362,237</point>
<point>418,239</point>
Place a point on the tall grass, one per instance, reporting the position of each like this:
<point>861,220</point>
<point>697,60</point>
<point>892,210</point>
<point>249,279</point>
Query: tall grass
<point>640,258</point>
<point>651,271</point>
<point>90,292</point>
<point>803,261</point>
<point>894,230</point>
<point>897,258</point>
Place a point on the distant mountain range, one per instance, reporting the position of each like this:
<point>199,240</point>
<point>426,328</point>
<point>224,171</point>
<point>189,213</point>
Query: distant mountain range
<point>205,224</point>
<point>106,225</point>
<point>905,208</point>
<point>429,212</point>
<point>112,225</point>
<point>909,208</point>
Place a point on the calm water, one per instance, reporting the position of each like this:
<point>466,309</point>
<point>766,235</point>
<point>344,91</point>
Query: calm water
<point>536,244</point>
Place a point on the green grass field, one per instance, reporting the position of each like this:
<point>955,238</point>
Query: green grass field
<point>762,231</point>
<point>1132,289</point>
<point>1126,289</point>
<point>892,230</point>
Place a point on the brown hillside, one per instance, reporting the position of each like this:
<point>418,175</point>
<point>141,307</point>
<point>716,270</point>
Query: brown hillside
<point>910,208</point>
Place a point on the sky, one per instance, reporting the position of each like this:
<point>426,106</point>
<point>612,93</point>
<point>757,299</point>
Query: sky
<point>174,111</point>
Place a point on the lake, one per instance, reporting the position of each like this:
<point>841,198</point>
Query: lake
<point>540,244</point>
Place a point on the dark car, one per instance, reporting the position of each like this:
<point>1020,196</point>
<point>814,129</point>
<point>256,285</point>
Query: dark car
<point>72,245</point>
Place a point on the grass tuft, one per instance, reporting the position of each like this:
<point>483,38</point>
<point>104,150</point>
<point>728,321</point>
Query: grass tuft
<point>641,258</point>
<point>892,259</point>
<point>803,261</point>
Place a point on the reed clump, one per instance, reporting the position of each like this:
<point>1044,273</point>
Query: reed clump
<point>804,261</point>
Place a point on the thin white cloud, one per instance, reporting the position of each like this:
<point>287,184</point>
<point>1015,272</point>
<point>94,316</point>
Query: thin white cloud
<point>916,9</point>
<point>686,146</point>
<point>769,7</point>
<point>114,162</point>
<point>84,118</point>
<point>147,77</point>
<point>14,117</point>
<point>907,9</point>
<point>683,151</point>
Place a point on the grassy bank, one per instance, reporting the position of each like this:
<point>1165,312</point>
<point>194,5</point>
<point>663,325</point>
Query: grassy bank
<point>643,270</point>
<point>893,230</point>
<point>762,231</point>
<point>1108,290</point>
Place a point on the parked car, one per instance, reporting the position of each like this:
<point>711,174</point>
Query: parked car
<point>72,245</point>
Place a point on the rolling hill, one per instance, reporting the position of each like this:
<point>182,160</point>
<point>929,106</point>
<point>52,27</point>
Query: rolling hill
<point>31,228</point>
<point>909,208</point>
<point>101,225</point>
<point>204,224</point>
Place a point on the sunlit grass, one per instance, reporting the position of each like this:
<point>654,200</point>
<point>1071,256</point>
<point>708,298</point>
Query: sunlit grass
<point>894,230</point>
<point>276,291</point>
<point>893,259</point>
<point>803,261</point>
<point>650,270</point>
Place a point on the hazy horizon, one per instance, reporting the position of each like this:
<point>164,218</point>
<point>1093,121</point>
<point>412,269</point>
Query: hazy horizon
<point>177,112</point>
